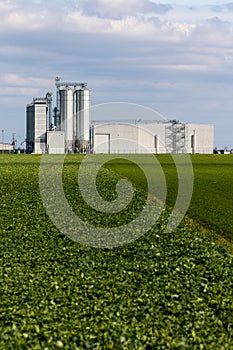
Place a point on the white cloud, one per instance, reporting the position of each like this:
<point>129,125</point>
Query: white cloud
<point>182,67</point>
<point>84,17</point>
<point>222,8</point>
<point>121,8</point>
<point>6,6</point>
<point>22,21</point>
<point>177,59</point>
<point>20,92</point>
<point>19,80</point>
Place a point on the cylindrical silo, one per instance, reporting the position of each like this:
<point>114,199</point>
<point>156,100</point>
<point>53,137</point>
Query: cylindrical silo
<point>67,116</point>
<point>82,131</point>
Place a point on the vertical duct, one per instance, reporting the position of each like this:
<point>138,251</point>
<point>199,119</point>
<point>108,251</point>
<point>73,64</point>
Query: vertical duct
<point>57,123</point>
<point>57,83</point>
<point>57,116</point>
<point>49,117</point>
<point>92,130</point>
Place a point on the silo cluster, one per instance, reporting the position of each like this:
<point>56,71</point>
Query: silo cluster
<point>72,115</point>
<point>69,129</point>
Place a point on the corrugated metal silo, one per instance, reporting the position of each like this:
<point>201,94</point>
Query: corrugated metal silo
<point>67,116</point>
<point>82,131</point>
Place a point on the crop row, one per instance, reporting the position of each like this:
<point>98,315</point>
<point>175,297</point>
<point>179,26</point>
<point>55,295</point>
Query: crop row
<point>162,291</point>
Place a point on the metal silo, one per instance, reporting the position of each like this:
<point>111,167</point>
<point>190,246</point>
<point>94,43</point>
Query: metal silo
<point>82,132</point>
<point>67,116</point>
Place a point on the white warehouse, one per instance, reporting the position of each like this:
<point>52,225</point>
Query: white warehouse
<point>166,137</point>
<point>68,128</point>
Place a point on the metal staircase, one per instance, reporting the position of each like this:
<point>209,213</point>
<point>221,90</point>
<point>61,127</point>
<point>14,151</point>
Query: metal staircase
<point>175,137</point>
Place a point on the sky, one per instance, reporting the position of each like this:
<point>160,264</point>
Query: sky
<point>173,56</point>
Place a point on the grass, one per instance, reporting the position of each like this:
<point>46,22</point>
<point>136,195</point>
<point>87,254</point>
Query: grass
<point>212,201</point>
<point>162,291</point>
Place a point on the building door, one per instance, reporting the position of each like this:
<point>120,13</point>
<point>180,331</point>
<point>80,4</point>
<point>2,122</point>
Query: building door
<point>102,143</point>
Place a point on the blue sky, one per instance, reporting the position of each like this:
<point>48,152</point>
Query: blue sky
<point>175,57</point>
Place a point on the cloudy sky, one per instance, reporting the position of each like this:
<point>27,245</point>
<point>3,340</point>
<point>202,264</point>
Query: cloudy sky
<point>175,57</point>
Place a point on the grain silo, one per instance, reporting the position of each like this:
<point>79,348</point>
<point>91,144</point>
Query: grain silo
<point>82,132</point>
<point>67,116</point>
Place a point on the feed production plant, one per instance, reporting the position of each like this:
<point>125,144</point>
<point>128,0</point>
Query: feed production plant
<point>64,129</point>
<point>68,128</point>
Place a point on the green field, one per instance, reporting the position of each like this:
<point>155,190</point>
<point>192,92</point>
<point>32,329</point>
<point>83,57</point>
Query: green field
<point>212,200</point>
<point>162,291</point>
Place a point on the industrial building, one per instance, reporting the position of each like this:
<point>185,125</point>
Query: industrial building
<point>64,129</point>
<point>68,128</point>
<point>6,148</point>
<point>149,137</point>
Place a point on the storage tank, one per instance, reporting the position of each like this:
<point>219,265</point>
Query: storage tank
<point>82,132</point>
<point>67,116</point>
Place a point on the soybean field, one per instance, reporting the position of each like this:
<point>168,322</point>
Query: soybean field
<point>164,290</point>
